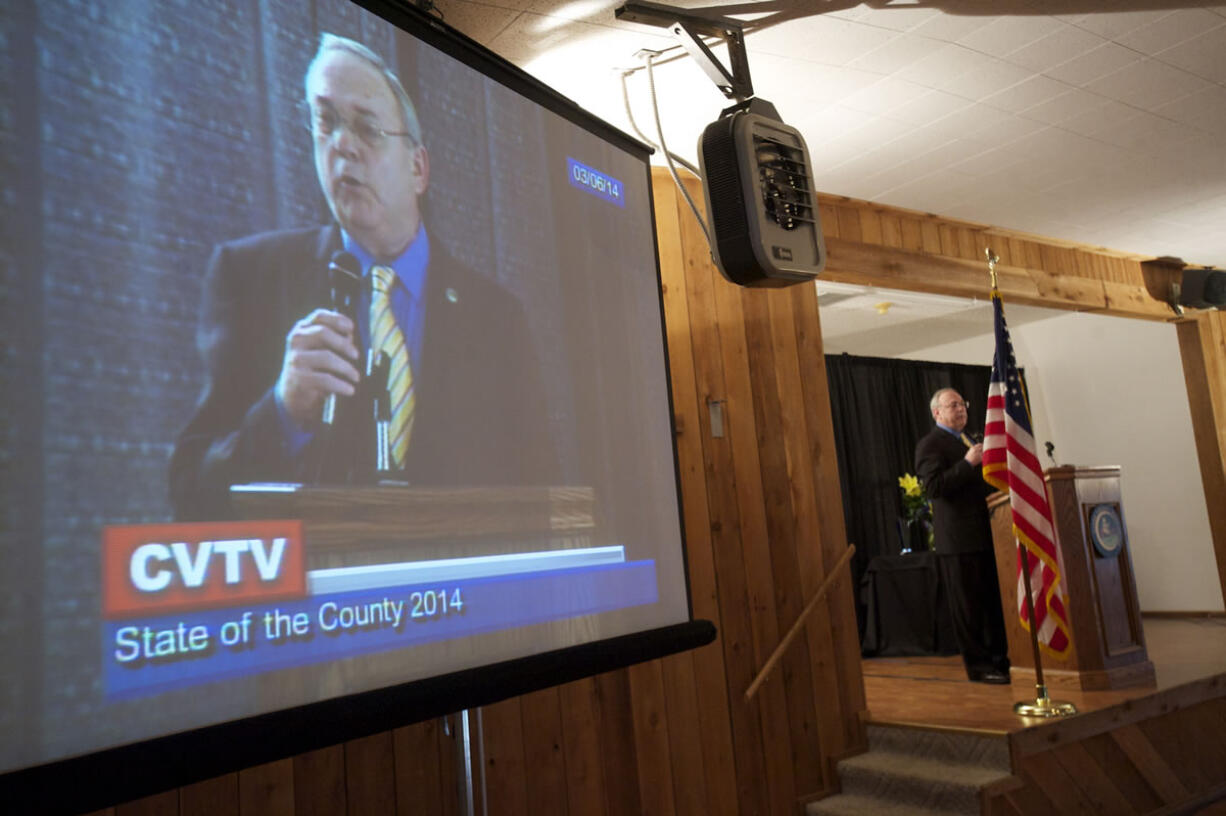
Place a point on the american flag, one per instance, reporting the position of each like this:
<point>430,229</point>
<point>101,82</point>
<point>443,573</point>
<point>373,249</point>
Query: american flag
<point>1011,464</point>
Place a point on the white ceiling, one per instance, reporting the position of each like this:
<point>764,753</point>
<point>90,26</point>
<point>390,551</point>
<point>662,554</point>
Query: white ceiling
<point>1086,120</point>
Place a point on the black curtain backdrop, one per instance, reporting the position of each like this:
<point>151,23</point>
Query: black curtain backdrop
<point>880,411</point>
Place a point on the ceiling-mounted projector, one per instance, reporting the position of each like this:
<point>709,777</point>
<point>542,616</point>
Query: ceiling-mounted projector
<point>760,198</point>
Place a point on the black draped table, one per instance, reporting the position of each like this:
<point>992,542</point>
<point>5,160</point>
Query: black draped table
<point>906,612</point>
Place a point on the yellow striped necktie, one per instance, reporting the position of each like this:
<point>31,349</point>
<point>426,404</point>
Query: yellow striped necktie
<point>387,337</point>
<point>966,440</point>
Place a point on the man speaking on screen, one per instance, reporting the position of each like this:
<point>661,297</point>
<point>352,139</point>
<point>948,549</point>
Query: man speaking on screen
<point>463,400</point>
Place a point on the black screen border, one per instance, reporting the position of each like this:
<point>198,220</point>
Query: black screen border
<point>126,772</point>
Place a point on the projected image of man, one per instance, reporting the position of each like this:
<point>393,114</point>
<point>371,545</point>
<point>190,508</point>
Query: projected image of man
<point>466,405</point>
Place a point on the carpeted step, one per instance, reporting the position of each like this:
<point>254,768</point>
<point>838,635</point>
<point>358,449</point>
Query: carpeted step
<point>912,771</point>
<point>987,750</point>
<point>850,805</point>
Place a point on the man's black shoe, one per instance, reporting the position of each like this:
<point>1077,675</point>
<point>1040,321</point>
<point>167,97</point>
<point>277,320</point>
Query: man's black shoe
<point>992,676</point>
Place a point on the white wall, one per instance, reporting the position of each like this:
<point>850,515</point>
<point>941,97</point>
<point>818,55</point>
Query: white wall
<point>1110,391</point>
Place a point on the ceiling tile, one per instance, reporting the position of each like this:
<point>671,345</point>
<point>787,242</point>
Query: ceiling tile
<point>479,21</point>
<point>950,27</point>
<point>1059,109</point>
<point>1093,64</point>
<point>1112,25</point>
<point>984,78</point>
<point>965,73</point>
<point>1061,45</point>
<point>1026,94</point>
<point>1110,114</point>
<point>884,95</point>
<point>1148,133</point>
<point>1147,84</point>
<point>1204,109</point>
<point>898,17</point>
<point>831,41</point>
<point>1004,35</point>
<point>928,107</point>
<point>898,53</point>
<point>1204,56</point>
<point>1171,30</point>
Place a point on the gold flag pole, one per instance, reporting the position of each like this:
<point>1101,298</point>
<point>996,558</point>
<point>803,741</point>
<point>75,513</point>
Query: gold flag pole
<point>1042,705</point>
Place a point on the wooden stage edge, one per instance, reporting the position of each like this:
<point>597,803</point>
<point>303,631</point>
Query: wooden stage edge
<point>1158,749</point>
<point>1188,653</point>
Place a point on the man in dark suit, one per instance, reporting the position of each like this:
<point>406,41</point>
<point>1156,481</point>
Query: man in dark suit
<point>467,407</point>
<point>948,464</point>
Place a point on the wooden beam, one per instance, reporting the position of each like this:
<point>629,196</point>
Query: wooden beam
<point>853,261</point>
<point>1202,345</point>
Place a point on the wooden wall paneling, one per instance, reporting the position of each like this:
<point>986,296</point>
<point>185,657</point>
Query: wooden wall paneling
<point>651,722</point>
<point>544,759</point>
<point>772,378</point>
<point>370,775</point>
<point>585,782</point>
<point>319,782</point>
<point>725,527</point>
<point>949,239</point>
<point>505,784</point>
<point>832,632</point>
<point>267,790</point>
<point>1187,747</point>
<point>1000,245</point>
<point>419,752</point>
<point>1108,754</point>
<point>870,226</point>
<point>1202,347</point>
<point>912,235</point>
<point>1096,784</point>
<point>212,797</point>
<point>970,245</point>
<point>891,230</point>
<point>710,690</point>
<point>745,477</point>
<point>1030,800</point>
<point>793,333</point>
<point>930,235</point>
<point>829,215</point>
<point>159,804</point>
<point>617,744</point>
<point>1017,252</point>
<point>848,222</point>
<point>1044,771</point>
<point>1150,764</point>
<point>685,737</point>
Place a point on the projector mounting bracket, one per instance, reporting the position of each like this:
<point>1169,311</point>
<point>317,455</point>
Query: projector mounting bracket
<point>689,29</point>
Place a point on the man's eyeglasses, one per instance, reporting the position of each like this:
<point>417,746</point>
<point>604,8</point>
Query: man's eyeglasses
<point>323,121</point>
<point>957,404</point>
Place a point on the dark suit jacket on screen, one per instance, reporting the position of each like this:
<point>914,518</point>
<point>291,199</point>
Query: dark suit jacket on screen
<point>480,418</point>
<point>958,492</point>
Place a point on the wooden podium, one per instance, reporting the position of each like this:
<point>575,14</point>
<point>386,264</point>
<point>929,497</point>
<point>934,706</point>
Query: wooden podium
<point>1108,648</point>
<point>374,524</point>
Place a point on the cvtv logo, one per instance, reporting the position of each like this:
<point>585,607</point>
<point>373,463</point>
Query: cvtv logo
<point>167,567</point>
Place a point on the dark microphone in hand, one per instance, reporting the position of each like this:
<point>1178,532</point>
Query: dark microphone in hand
<point>344,284</point>
<point>976,437</point>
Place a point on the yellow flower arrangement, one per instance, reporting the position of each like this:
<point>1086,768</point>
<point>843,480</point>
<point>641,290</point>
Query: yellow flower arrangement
<point>915,505</point>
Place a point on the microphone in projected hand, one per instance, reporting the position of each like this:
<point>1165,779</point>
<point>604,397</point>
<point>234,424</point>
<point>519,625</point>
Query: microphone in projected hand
<point>344,283</point>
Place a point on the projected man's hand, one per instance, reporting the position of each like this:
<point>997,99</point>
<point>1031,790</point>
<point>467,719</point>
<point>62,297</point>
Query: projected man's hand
<point>320,359</point>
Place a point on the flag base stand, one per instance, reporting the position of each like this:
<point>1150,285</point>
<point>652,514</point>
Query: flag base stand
<point>1043,706</point>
